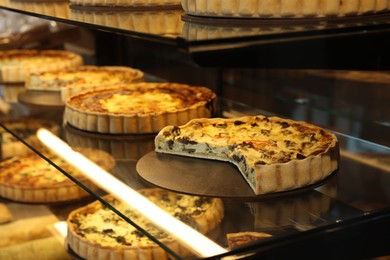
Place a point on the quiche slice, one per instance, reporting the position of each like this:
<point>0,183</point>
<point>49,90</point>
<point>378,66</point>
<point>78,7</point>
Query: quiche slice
<point>29,178</point>
<point>15,65</point>
<point>138,108</point>
<point>82,78</point>
<point>273,154</point>
<point>95,232</point>
<point>283,8</point>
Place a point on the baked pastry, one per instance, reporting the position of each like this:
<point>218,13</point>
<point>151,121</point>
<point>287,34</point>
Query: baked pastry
<point>15,65</point>
<point>155,21</point>
<point>242,238</point>
<point>283,8</point>
<point>26,129</point>
<point>130,3</point>
<point>75,80</point>
<point>138,108</point>
<point>29,178</point>
<point>273,154</point>
<point>95,232</point>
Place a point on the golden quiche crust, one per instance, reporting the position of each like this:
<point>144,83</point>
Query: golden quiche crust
<point>273,154</point>
<point>29,178</point>
<point>138,108</point>
<point>15,65</point>
<point>284,8</point>
<point>95,232</point>
<point>128,3</point>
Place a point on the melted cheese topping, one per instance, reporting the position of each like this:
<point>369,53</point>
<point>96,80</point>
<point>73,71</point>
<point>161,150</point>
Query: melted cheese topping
<point>261,140</point>
<point>100,225</point>
<point>32,57</point>
<point>88,75</point>
<point>141,103</point>
<point>141,98</point>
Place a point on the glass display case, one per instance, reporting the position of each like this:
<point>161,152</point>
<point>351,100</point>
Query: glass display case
<point>329,72</point>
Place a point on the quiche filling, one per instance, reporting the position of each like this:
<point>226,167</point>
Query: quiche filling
<point>84,75</point>
<point>100,225</point>
<point>273,154</point>
<point>262,142</point>
<point>138,99</point>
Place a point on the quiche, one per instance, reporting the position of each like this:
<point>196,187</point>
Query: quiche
<point>82,78</point>
<point>138,108</point>
<point>15,65</point>
<point>136,4</point>
<point>30,178</point>
<point>284,8</point>
<point>95,232</point>
<point>24,128</point>
<point>273,154</point>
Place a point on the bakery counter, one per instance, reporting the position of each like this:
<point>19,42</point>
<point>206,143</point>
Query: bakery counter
<point>351,201</point>
<point>221,42</point>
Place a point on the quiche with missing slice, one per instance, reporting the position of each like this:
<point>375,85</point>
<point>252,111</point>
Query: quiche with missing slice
<point>82,78</point>
<point>15,65</point>
<point>273,154</point>
<point>96,232</point>
<point>29,178</point>
<point>138,108</point>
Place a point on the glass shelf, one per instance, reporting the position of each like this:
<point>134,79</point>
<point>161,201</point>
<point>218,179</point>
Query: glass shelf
<point>229,42</point>
<point>355,193</point>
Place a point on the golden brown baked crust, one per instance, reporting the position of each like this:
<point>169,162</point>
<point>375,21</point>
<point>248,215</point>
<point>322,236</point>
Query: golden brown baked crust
<point>82,78</point>
<point>129,3</point>
<point>284,9</point>
<point>242,238</point>
<point>15,65</point>
<point>29,178</point>
<point>94,232</point>
<point>152,106</point>
<point>273,154</point>
<point>154,21</point>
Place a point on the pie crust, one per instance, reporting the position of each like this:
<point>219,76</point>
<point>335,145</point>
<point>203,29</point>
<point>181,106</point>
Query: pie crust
<point>15,65</point>
<point>29,178</point>
<point>91,237</point>
<point>161,22</point>
<point>243,238</point>
<point>152,106</point>
<point>129,3</point>
<point>24,128</point>
<point>273,154</point>
<point>82,78</point>
<point>283,8</point>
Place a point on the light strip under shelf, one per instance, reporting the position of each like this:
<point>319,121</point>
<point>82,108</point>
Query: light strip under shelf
<point>194,240</point>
